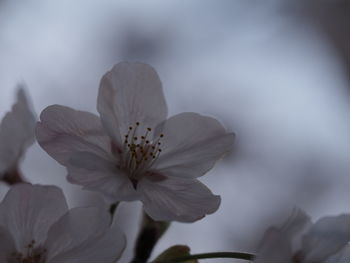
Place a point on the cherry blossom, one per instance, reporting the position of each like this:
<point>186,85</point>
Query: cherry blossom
<point>301,241</point>
<point>133,152</point>
<point>16,135</point>
<point>37,227</point>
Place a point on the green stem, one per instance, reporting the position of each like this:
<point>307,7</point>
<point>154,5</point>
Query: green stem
<point>151,231</point>
<point>236,255</point>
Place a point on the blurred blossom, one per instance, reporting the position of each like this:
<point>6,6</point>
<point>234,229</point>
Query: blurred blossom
<point>138,154</point>
<point>42,229</point>
<point>300,241</point>
<point>16,135</point>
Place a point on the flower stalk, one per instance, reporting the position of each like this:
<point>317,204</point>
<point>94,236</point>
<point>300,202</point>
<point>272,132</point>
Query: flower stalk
<point>151,231</point>
<point>113,208</point>
<point>235,255</point>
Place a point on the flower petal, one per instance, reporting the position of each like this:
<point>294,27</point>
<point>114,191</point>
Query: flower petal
<point>184,200</point>
<point>275,247</point>
<point>16,132</point>
<point>7,245</point>
<point>74,239</point>
<point>191,145</point>
<point>278,244</point>
<point>341,257</point>
<point>98,174</point>
<point>326,237</point>
<point>28,211</point>
<point>106,249</point>
<point>130,93</point>
<point>64,131</point>
<point>297,223</point>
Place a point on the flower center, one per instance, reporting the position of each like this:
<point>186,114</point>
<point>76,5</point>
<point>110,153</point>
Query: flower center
<point>139,152</point>
<point>32,255</point>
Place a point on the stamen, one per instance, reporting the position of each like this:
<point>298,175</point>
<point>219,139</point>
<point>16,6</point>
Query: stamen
<point>140,152</point>
<point>32,254</point>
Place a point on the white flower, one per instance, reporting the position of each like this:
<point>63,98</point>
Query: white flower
<point>132,152</point>
<point>37,227</point>
<point>300,241</point>
<point>16,135</point>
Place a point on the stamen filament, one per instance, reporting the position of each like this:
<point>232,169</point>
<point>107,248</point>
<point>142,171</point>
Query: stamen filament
<point>139,152</point>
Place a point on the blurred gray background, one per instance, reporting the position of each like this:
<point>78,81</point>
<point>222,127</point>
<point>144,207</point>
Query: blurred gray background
<point>276,72</point>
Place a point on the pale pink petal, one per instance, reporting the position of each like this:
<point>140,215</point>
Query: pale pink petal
<point>63,131</point>
<point>326,237</point>
<point>297,223</point>
<point>16,132</point>
<point>278,244</point>
<point>191,145</point>
<point>84,235</point>
<point>184,200</point>
<point>98,174</point>
<point>130,93</point>
<point>77,227</point>
<point>343,256</point>
<point>7,245</point>
<point>275,247</point>
<point>28,211</point>
<point>107,249</point>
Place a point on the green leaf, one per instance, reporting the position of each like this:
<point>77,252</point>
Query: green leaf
<point>175,252</point>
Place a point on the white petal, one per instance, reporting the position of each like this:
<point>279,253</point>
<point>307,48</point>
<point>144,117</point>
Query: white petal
<point>296,225</point>
<point>84,235</point>
<point>28,211</point>
<point>275,247</point>
<point>130,93</point>
<point>326,237</point>
<point>106,249</point>
<point>97,174</point>
<point>191,145</point>
<point>64,131</point>
<point>184,200</point>
<point>341,257</point>
<point>7,245</point>
<point>16,132</point>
